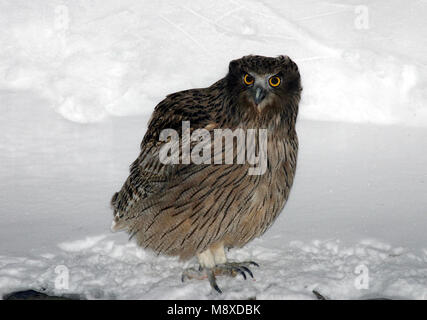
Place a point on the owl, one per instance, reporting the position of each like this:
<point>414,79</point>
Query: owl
<point>199,209</point>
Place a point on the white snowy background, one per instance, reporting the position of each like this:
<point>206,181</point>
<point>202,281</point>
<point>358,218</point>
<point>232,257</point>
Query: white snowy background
<point>79,79</point>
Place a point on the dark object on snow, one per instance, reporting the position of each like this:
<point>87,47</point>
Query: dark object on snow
<point>319,296</point>
<point>35,295</point>
<point>322,297</point>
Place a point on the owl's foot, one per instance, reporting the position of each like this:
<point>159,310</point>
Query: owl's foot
<point>234,268</point>
<point>201,274</point>
<point>192,273</point>
<point>226,269</point>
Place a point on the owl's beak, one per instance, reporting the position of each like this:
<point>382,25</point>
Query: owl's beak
<point>259,94</point>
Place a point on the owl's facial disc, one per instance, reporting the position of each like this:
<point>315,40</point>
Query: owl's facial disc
<point>261,89</point>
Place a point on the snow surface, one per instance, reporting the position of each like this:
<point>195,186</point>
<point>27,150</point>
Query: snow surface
<point>93,59</point>
<point>76,92</point>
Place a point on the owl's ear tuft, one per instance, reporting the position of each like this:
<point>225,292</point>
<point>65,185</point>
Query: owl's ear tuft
<point>283,58</point>
<point>233,66</point>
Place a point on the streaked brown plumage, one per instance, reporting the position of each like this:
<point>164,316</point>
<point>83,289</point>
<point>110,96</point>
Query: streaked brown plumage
<point>188,209</point>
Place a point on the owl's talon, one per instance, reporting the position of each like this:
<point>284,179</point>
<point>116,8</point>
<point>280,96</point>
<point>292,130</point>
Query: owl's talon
<point>212,281</point>
<point>241,272</point>
<point>248,271</point>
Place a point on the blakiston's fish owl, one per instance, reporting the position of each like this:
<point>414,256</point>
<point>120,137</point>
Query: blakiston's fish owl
<point>198,210</point>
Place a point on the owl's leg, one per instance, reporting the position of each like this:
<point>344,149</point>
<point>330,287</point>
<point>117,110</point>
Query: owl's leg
<point>207,263</point>
<point>223,267</point>
<point>218,253</point>
<point>208,260</point>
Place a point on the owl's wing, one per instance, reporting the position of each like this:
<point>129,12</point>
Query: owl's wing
<point>149,177</point>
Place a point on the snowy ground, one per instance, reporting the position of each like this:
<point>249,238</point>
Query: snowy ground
<point>75,99</point>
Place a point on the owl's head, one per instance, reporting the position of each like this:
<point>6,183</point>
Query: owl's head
<point>265,85</point>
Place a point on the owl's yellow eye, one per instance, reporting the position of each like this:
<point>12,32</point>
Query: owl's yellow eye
<point>248,79</point>
<point>274,81</point>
